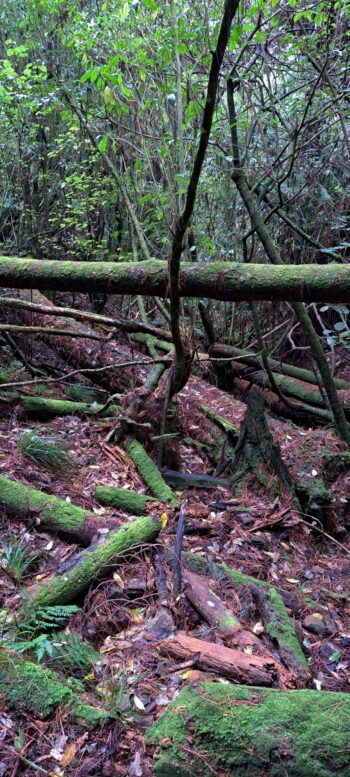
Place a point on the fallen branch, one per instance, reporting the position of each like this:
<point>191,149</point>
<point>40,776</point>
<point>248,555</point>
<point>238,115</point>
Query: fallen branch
<point>223,661</point>
<point>149,472</point>
<point>132,502</point>
<point>74,577</point>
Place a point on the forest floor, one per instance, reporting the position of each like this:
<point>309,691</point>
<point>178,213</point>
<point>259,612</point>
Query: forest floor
<point>254,535</point>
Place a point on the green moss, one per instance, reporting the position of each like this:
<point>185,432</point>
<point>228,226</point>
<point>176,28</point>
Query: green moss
<point>133,503</point>
<point>68,583</point>
<point>27,687</point>
<point>335,464</point>
<point>248,732</point>
<point>22,501</point>
<point>278,625</point>
<point>149,472</point>
<point>46,408</point>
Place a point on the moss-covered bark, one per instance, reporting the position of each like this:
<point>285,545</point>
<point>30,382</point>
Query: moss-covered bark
<point>253,732</point>
<point>257,457</point>
<point>76,575</point>
<point>222,351</point>
<point>133,503</point>
<point>28,687</point>
<point>149,472</point>
<point>47,408</point>
<point>55,514</point>
<point>278,625</point>
<point>217,280</point>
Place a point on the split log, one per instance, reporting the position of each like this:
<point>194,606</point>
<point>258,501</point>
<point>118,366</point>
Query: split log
<point>226,281</point>
<point>56,515</point>
<point>279,627</point>
<point>75,576</point>
<point>223,661</point>
<point>149,472</point>
<point>239,731</point>
<point>48,408</point>
<point>28,687</point>
<point>131,501</point>
<point>214,612</point>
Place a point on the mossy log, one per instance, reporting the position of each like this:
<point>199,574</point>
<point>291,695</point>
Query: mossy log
<point>308,395</point>
<point>48,408</point>
<point>74,577</point>
<point>230,281</point>
<point>28,687</point>
<point>149,472</point>
<point>253,732</point>
<point>214,612</point>
<point>222,351</point>
<point>279,627</point>
<point>56,515</point>
<point>131,501</point>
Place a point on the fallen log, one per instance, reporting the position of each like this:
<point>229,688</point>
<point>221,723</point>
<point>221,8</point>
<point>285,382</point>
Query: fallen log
<point>74,577</point>
<point>222,351</point>
<point>218,280</point>
<point>48,408</point>
<point>259,732</point>
<point>277,623</point>
<point>193,480</point>
<point>56,515</point>
<point>304,392</point>
<point>223,661</point>
<point>83,353</point>
<point>131,501</point>
<point>214,612</point>
<point>28,687</point>
<point>149,472</point>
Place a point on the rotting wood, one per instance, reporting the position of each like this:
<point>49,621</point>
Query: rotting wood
<point>223,661</point>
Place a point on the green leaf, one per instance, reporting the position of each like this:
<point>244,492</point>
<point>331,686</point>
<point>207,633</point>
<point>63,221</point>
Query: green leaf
<point>103,144</point>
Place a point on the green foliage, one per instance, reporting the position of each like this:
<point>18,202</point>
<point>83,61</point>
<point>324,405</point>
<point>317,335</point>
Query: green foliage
<point>48,451</point>
<point>17,558</point>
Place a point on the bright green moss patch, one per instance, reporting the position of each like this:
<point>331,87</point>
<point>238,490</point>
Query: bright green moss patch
<point>133,503</point>
<point>149,472</point>
<point>22,501</point>
<point>27,687</point>
<point>47,408</point>
<point>248,732</point>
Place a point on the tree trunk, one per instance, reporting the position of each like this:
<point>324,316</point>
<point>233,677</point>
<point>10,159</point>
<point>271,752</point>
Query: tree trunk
<point>218,280</point>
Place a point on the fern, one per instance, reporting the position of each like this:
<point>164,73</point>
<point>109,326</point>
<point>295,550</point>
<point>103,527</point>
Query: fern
<point>59,650</point>
<point>46,619</point>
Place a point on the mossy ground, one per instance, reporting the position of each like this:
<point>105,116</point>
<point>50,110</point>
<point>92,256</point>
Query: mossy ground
<point>250,732</point>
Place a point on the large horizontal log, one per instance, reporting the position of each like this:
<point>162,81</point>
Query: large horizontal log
<point>217,280</point>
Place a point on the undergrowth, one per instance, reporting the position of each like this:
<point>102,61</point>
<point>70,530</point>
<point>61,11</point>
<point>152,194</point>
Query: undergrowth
<point>48,451</point>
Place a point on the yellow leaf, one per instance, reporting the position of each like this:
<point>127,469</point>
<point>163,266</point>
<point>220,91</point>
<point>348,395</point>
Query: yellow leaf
<point>89,676</point>
<point>187,674</point>
<point>164,520</point>
<point>68,755</point>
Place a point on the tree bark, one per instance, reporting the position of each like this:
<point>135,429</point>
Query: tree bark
<point>218,280</point>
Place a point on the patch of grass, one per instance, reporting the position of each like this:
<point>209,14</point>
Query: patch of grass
<point>17,559</point>
<point>48,451</point>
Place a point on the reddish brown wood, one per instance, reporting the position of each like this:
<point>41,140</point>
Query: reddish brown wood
<point>234,664</point>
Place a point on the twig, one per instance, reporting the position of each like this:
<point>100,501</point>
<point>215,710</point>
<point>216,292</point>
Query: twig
<point>177,550</point>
